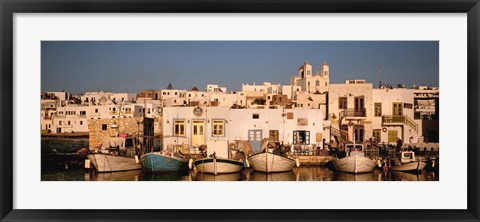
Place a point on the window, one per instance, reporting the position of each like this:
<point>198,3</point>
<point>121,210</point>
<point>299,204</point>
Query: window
<point>377,135</point>
<point>342,102</point>
<point>301,137</point>
<point>68,123</point>
<point>81,122</point>
<point>273,134</point>
<point>397,109</point>
<point>179,128</point>
<point>359,105</point>
<point>317,83</point>
<point>59,123</point>
<point>104,126</point>
<point>378,109</point>
<point>218,127</point>
<point>96,110</point>
<point>255,116</point>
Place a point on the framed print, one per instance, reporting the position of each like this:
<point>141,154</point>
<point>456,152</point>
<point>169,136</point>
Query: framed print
<point>265,110</point>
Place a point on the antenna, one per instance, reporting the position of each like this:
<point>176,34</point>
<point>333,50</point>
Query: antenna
<point>379,72</point>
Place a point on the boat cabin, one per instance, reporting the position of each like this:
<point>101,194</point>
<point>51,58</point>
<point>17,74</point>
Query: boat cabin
<point>354,149</point>
<point>123,146</point>
<point>407,156</point>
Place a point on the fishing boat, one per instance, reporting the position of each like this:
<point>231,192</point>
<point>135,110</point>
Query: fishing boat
<point>116,154</point>
<point>407,162</point>
<point>355,161</point>
<point>169,160</point>
<point>219,165</point>
<point>272,158</point>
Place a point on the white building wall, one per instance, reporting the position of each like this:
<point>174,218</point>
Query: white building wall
<point>351,91</point>
<point>387,97</point>
<point>123,97</point>
<point>241,121</point>
<point>96,98</point>
<point>197,96</point>
<point>186,113</point>
<point>224,99</point>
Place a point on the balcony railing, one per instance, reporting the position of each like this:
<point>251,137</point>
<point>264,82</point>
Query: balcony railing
<point>393,119</point>
<point>400,120</point>
<point>355,113</point>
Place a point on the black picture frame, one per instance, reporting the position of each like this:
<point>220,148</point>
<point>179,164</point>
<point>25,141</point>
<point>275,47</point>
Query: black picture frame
<point>9,7</point>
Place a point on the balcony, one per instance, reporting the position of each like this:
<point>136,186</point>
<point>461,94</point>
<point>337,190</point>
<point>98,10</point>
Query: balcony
<point>354,113</point>
<point>398,121</point>
<point>393,120</point>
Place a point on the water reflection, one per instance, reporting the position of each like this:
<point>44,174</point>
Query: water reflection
<point>298,174</point>
<point>133,175</point>
<point>313,174</point>
<point>283,176</point>
<point>168,176</point>
<point>340,176</point>
<point>403,176</point>
<point>218,177</point>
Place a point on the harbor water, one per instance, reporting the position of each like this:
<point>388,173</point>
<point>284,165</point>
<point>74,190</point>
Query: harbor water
<point>70,167</point>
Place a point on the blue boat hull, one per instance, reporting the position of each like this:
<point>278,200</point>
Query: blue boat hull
<point>157,163</point>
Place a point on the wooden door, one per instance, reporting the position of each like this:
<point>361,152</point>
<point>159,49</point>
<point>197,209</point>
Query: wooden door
<point>255,139</point>
<point>198,133</point>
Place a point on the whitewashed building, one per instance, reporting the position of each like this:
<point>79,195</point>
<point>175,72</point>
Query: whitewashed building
<point>311,82</point>
<point>216,88</point>
<point>351,110</point>
<point>195,126</point>
<point>200,125</point>
<point>173,97</point>
<point>73,118</point>
<point>290,126</point>
<point>393,116</point>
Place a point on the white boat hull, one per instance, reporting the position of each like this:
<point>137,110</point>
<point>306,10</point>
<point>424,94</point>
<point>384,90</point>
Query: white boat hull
<point>218,165</point>
<point>413,166</point>
<point>271,163</point>
<point>354,164</point>
<point>110,163</point>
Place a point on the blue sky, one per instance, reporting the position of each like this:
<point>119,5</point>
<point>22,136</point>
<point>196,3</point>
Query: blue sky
<point>121,66</point>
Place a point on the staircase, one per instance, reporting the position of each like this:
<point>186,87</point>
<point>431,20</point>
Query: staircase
<point>411,123</point>
<point>340,134</point>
